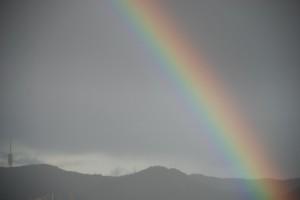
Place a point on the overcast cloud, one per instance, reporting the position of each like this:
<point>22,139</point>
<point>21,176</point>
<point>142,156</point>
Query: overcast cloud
<point>80,90</point>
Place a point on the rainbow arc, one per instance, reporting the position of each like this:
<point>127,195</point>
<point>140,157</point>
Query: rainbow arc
<point>206,93</point>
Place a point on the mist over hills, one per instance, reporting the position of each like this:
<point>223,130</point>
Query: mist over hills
<point>155,183</point>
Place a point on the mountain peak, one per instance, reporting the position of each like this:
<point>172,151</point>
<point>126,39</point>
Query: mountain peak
<point>160,170</point>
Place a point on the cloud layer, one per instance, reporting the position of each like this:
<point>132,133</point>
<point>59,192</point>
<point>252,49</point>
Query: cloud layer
<point>76,82</point>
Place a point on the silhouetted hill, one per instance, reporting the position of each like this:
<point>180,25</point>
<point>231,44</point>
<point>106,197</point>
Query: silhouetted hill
<point>154,183</point>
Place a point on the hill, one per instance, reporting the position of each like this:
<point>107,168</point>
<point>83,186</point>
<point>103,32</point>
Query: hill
<point>155,183</point>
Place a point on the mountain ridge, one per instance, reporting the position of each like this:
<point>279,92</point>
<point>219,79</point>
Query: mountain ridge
<point>156,182</point>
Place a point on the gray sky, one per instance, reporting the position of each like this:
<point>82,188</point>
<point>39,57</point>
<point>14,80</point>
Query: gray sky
<point>80,90</point>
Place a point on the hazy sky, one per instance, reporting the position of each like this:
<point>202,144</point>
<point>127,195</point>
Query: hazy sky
<point>80,90</point>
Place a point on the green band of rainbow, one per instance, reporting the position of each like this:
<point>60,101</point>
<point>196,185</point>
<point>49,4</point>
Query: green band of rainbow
<point>206,92</point>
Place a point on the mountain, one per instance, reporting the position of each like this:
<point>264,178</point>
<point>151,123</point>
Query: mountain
<point>155,183</point>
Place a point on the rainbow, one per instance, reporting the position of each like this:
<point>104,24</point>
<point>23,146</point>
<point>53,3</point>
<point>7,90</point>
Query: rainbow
<point>205,91</point>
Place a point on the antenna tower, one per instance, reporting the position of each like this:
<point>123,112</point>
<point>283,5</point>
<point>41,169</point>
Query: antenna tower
<point>10,158</point>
